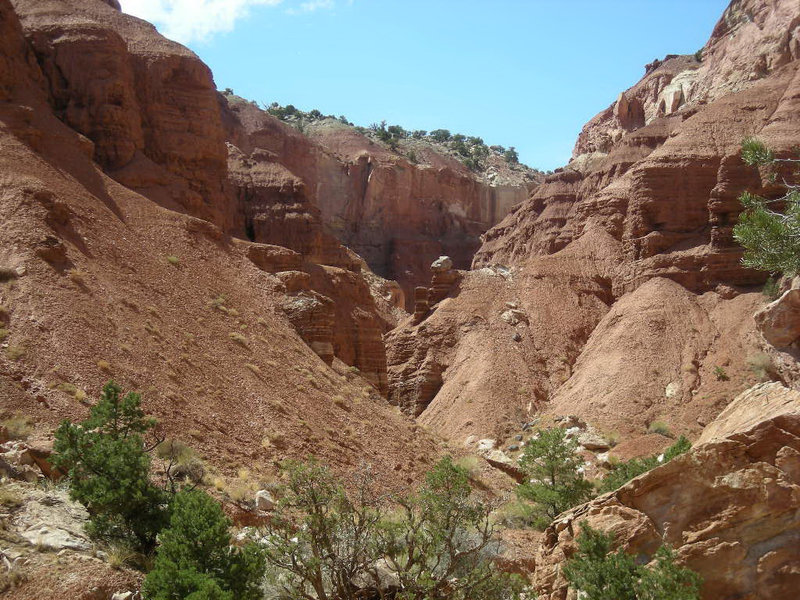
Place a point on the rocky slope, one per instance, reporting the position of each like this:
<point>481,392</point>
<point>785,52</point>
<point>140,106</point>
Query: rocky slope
<point>231,345</point>
<point>636,306</point>
<point>729,507</point>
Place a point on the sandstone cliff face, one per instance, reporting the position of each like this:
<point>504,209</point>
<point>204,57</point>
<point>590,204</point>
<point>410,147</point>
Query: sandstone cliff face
<point>106,283</point>
<point>147,103</point>
<point>659,169</point>
<point>150,108</point>
<point>397,215</point>
<point>730,507</point>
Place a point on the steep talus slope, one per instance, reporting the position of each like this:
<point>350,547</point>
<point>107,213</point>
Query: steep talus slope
<point>645,210</point>
<point>730,507</point>
<point>150,107</point>
<point>109,284</point>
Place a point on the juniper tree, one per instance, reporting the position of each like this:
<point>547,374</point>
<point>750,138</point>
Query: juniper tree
<point>554,467</point>
<point>108,465</point>
<point>769,229</point>
<point>196,560</point>
<point>597,573</point>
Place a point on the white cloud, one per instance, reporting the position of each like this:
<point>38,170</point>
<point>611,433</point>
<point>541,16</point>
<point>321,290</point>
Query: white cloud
<point>313,5</point>
<point>195,20</point>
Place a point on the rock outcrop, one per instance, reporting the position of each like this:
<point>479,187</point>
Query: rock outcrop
<point>625,166</point>
<point>102,280</point>
<point>148,104</point>
<point>779,321</point>
<point>444,281</point>
<point>730,507</point>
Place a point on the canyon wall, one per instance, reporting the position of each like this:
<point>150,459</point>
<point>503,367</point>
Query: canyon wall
<point>640,223</point>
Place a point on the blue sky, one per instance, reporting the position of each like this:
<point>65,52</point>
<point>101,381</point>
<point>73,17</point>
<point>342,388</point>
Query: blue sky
<point>523,73</point>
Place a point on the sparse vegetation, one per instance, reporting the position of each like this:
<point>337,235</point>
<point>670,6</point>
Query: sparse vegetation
<point>555,469</point>
<point>720,374</point>
<point>438,544</point>
<point>9,497</point>
<point>771,288</point>
<point>173,260</point>
<point>597,573</point>
<point>109,470</point>
<point>7,273</point>
<point>660,427</point>
<point>196,559</point>
<point>622,472</point>
<point>17,426</point>
<point>238,338</point>
<point>760,364</point>
<point>472,151</point>
<point>15,352</point>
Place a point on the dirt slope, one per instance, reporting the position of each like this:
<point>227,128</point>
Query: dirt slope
<point>113,285</point>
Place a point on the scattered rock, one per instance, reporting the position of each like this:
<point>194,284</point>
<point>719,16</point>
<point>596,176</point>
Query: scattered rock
<point>264,501</point>
<point>514,316</point>
<point>516,337</point>
<point>442,264</point>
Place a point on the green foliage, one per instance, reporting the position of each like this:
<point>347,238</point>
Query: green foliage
<point>17,426</point>
<point>597,573</point>
<point>623,472</point>
<point>554,467</point>
<point>440,135</point>
<point>721,374</point>
<point>755,153</point>
<point>770,236</point>
<point>195,559</point>
<point>660,427</point>
<point>772,288</point>
<point>511,156</point>
<point>321,543</point>
<point>108,467</point>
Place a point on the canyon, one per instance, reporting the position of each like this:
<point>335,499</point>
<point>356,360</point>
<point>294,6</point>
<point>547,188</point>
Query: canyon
<point>276,294</point>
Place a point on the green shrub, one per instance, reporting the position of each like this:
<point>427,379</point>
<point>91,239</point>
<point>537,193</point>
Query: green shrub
<point>660,427</point>
<point>17,426</point>
<point>511,156</point>
<point>554,468</point>
<point>769,229</point>
<point>623,472</point>
<point>597,573</point>
<point>720,374</point>
<point>760,364</point>
<point>772,288</point>
<point>322,544</point>
<point>195,559</point>
<point>108,467</point>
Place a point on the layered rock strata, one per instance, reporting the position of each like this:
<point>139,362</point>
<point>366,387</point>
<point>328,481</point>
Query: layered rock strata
<point>730,507</point>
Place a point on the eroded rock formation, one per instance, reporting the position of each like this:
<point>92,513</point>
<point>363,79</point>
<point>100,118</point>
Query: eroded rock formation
<point>637,231</point>
<point>730,507</point>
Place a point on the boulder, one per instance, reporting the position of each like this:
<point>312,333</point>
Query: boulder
<point>442,264</point>
<point>730,507</point>
<point>264,501</point>
<point>779,321</point>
